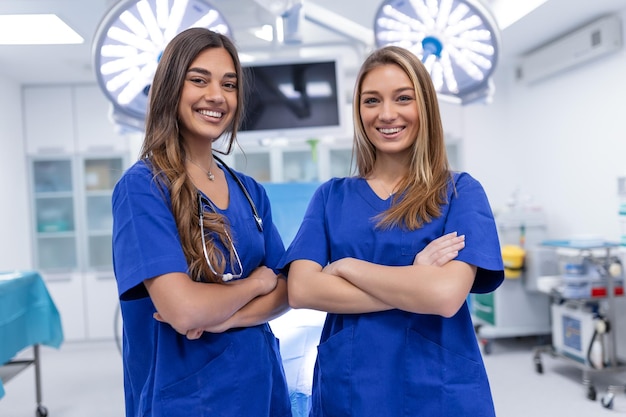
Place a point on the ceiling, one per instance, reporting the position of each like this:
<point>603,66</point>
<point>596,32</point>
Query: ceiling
<point>336,27</point>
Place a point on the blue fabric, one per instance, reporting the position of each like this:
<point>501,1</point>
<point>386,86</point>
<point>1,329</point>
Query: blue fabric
<point>28,316</point>
<point>235,373</point>
<point>396,363</point>
<point>289,203</point>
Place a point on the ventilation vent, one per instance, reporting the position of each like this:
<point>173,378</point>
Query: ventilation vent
<point>581,46</point>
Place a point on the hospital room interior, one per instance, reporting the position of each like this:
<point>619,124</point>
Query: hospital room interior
<point>532,106</point>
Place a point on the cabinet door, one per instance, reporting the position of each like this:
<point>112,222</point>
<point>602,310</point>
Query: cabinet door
<point>66,290</point>
<point>340,160</point>
<point>300,165</point>
<point>101,302</point>
<point>49,122</point>
<point>256,164</point>
<point>95,132</point>
<point>100,174</point>
<point>54,214</point>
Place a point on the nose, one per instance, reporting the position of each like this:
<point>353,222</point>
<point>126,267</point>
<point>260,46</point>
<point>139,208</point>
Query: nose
<point>387,112</point>
<point>213,93</point>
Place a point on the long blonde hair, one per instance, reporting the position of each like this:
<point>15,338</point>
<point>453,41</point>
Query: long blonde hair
<point>424,188</point>
<point>165,154</point>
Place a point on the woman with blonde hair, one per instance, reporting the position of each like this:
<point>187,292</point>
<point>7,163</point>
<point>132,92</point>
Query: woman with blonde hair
<point>392,254</point>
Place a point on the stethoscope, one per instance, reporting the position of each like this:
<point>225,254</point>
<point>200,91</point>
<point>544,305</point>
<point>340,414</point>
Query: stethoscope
<point>258,220</point>
<point>203,202</point>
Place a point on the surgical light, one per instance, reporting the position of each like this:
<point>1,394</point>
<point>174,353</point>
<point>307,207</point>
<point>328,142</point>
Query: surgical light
<point>129,42</point>
<point>457,40</point>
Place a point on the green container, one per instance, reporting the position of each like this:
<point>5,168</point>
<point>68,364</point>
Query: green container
<point>483,307</point>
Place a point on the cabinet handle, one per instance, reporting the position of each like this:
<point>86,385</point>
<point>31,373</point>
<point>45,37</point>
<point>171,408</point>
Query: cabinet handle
<point>57,276</point>
<point>100,148</point>
<point>51,150</point>
<point>105,276</point>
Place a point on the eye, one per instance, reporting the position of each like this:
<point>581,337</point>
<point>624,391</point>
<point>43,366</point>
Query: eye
<point>197,80</point>
<point>230,85</point>
<point>369,100</point>
<point>405,98</point>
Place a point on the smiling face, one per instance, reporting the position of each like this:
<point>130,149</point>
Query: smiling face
<point>388,109</point>
<point>208,100</point>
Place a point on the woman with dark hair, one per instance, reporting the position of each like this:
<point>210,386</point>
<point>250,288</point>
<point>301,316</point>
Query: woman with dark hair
<point>392,254</point>
<point>195,250</point>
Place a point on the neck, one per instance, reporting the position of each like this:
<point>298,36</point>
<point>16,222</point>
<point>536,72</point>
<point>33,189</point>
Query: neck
<point>207,171</point>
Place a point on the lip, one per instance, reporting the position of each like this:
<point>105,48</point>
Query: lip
<point>390,131</point>
<point>211,113</point>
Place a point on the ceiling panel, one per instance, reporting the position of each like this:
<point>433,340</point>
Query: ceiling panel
<point>73,63</point>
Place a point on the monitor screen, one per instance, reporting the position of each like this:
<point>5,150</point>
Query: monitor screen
<point>302,99</point>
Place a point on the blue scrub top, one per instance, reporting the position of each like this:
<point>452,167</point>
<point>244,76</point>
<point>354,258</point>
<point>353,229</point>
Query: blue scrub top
<point>235,373</point>
<point>395,363</point>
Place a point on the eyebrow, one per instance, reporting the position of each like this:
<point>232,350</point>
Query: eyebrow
<point>399,90</point>
<point>208,73</point>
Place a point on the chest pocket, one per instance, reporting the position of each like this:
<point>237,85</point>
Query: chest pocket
<point>412,242</point>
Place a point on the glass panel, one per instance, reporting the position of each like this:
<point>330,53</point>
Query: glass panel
<point>102,174</point>
<point>257,165</point>
<point>99,215</point>
<point>54,214</point>
<point>57,253</point>
<point>452,150</point>
<point>299,166</point>
<point>100,252</point>
<point>340,162</point>
<point>50,176</point>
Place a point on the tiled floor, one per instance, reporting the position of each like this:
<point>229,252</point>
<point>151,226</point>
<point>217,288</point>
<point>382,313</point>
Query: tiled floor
<point>85,379</point>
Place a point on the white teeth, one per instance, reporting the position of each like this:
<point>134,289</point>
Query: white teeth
<point>210,113</point>
<point>390,131</point>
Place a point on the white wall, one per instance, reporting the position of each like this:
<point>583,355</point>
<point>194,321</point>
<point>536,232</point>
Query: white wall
<point>562,142</point>
<point>15,232</point>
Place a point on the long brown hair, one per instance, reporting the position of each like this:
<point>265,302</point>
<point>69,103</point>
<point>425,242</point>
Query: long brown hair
<point>164,150</point>
<point>424,189</point>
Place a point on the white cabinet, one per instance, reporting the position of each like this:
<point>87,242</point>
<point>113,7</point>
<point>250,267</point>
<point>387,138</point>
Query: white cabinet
<point>48,113</point>
<point>301,162</point>
<point>75,158</point>
<point>297,162</point>
<point>95,134</point>
<point>73,237</point>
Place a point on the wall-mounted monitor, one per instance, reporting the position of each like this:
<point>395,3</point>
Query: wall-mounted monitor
<point>296,99</point>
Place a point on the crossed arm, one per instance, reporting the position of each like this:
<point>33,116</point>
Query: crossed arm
<point>191,307</point>
<point>434,284</point>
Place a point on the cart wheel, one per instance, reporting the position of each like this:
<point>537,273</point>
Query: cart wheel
<point>607,400</point>
<point>486,346</point>
<point>41,411</point>
<point>591,393</point>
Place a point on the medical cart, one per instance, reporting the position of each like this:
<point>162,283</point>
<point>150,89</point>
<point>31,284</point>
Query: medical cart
<point>517,308</point>
<point>583,304</point>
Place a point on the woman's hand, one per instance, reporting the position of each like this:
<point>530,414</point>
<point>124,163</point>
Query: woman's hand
<point>266,278</point>
<point>191,334</point>
<point>441,250</point>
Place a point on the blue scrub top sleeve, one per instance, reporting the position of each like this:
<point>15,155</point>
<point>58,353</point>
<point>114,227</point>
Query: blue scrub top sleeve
<point>311,240</point>
<point>145,236</point>
<point>470,214</point>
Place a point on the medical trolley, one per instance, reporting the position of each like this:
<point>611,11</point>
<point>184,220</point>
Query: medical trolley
<point>584,296</point>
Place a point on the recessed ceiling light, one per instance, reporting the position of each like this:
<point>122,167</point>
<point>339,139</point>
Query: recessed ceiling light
<point>509,12</point>
<point>36,29</point>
